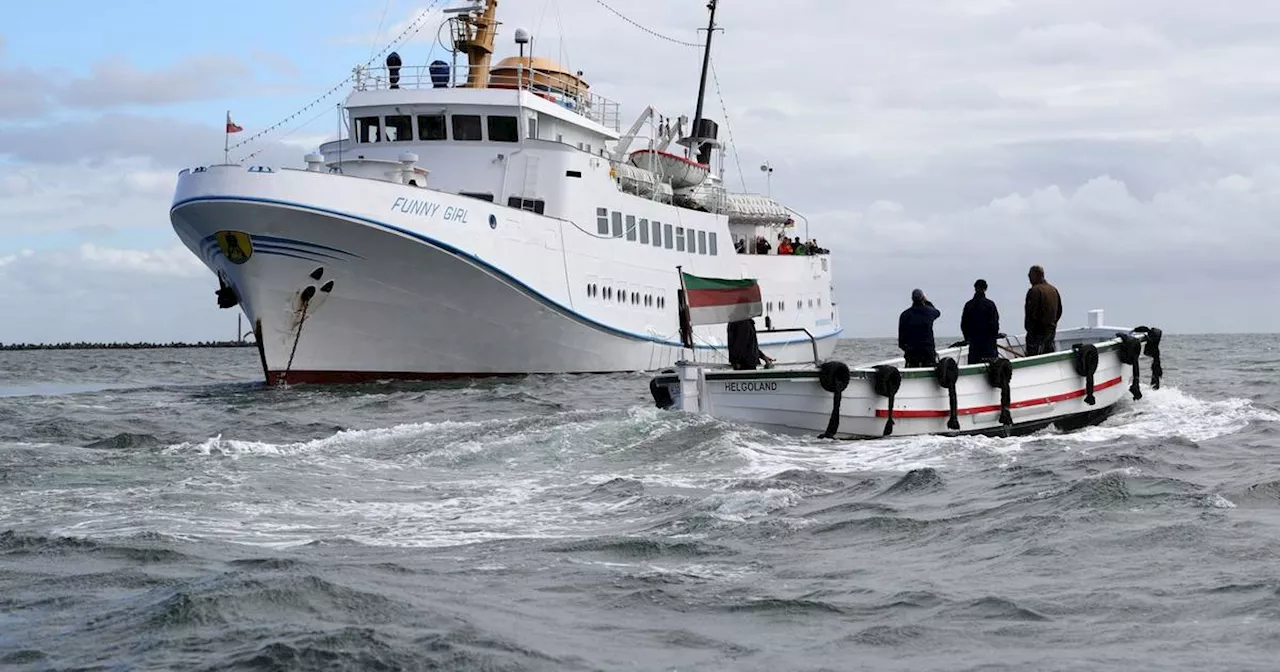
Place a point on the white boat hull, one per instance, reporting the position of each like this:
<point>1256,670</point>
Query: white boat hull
<point>1044,390</point>
<point>409,304</point>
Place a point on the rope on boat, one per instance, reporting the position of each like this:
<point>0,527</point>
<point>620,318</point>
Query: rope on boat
<point>886,382</point>
<point>833,376</point>
<point>1130,353</point>
<point>307,293</point>
<point>1085,359</point>
<point>999,374</point>
<point>947,372</point>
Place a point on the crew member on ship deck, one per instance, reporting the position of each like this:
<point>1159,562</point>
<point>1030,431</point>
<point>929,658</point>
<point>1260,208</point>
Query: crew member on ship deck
<point>744,348</point>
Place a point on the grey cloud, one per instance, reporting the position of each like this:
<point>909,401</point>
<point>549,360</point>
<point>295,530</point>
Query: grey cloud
<point>114,83</point>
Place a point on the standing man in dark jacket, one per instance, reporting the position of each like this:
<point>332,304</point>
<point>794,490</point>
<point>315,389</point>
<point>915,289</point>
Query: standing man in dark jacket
<point>915,331</point>
<point>1044,309</point>
<point>980,325</point>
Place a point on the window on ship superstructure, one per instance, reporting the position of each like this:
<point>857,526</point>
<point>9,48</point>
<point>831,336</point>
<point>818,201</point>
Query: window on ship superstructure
<point>643,230</point>
<point>467,127</point>
<point>679,239</point>
<point>503,129</point>
<point>631,227</point>
<point>602,221</point>
<point>666,236</point>
<point>432,127</point>
<point>711,242</point>
<point>702,242</point>
<point>368,129</point>
<point>399,128</point>
<point>657,234</point>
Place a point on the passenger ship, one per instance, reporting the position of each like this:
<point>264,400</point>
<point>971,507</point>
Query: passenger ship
<point>493,219</point>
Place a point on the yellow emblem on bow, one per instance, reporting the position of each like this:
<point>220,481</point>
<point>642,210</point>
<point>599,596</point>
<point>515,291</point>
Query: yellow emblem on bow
<point>235,246</point>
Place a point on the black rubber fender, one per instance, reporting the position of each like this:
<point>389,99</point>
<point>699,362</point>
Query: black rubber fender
<point>661,394</point>
<point>999,375</point>
<point>886,381</point>
<point>833,376</point>
<point>1152,350</point>
<point>1130,352</point>
<point>1084,356</point>
<point>947,373</point>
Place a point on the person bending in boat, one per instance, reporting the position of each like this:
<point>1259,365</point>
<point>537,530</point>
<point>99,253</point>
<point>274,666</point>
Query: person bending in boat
<point>1044,309</point>
<point>744,348</point>
<point>980,325</point>
<point>915,331</point>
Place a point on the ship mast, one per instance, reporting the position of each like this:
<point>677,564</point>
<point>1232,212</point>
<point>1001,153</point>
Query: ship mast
<point>706,61</point>
<point>702,135</point>
<point>473,35</point>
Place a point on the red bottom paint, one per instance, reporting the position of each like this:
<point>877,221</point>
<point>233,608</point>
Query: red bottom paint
<point>974,410</point>
<point>361,377</point>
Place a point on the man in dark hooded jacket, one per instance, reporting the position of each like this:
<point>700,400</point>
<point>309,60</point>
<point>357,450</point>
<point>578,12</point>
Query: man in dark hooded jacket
<point>980,325</point>
<point>1044,309</point>
<point>915,331</point>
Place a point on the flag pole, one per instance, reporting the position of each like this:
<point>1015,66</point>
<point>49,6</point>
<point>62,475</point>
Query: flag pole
<point>226,140</point>
<point>686,333</point>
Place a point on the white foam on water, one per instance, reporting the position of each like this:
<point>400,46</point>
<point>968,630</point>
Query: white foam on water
<point>1169,413</point>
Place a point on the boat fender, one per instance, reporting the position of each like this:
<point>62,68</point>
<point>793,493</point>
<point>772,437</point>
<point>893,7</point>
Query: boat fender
<point>833,376</point>
<point>1085,359</point>
<point>999,374</point>
<point>886,381</point>
<point>661,394</point>
<point>1130,352</point>
<point>1152,350</point>
<point>947,372</point>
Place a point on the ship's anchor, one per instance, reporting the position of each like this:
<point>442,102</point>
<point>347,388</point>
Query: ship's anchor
<point>305,299</point>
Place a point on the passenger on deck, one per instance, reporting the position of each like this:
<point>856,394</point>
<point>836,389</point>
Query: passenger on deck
<point>1044,309</point>
<point>740,245</point>
<point>744,349</point>
<point>762,245</point>
<point>798,247</point>
<point>784,247</point>
<point>980,325</point>
<point>915,331</point>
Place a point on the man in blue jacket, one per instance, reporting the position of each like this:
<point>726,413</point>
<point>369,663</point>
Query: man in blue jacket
<point>915,331</point>
<point>980,325</point>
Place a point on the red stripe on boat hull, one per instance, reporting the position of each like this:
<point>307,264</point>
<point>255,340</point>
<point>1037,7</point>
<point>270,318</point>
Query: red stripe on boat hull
<point>974,410</point>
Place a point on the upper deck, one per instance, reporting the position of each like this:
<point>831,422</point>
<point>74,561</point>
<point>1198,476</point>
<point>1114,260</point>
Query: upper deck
<point>563,91</point>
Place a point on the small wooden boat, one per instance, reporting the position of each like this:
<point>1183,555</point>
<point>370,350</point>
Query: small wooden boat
<point>1093,369</point>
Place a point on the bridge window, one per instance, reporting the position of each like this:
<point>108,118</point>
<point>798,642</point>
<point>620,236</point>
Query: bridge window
<point>602,221</point>
<point>666,236</point>
<point>530,204</point>
<point>657,233</point>
<point>432,127</point>
<point>503,129</point>
<point>711,242</point>
<point>631,227</point>
<point>467,127</point>
<point>643,230</point>
<point>368,129</point>
<point>617,225</point>
<point>399,128</point>
<point>702,242</point>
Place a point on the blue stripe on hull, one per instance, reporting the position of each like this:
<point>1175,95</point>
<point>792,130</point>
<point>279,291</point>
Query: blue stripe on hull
<point>466,256</point>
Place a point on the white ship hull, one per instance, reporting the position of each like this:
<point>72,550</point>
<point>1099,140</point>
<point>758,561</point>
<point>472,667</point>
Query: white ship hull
<point>427,284</point>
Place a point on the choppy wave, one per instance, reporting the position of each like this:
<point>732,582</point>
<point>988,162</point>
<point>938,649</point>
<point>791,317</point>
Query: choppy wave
<point>561,522</point>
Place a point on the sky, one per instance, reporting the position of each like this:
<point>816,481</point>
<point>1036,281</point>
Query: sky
<point>1131,148</point>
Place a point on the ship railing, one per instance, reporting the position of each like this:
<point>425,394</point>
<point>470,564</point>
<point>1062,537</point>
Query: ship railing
<point>583,102</point>
<point>813,343</point>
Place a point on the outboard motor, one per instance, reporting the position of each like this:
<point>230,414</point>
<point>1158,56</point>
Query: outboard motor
<point>393,69</point>
<point>439,74</point>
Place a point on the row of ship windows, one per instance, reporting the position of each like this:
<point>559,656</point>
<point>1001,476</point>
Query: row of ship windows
<point>465,127</point>
<point>781,305</point>
<point>655,233</point>
<point>623,296</point>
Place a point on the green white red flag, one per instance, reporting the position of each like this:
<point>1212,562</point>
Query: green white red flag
<point>721,300</point>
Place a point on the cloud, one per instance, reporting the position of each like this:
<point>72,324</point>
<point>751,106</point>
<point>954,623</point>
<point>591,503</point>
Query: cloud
<point>117,82</point>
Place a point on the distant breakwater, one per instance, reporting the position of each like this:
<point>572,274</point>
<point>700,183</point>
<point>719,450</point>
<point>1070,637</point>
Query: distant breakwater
<point>83,345</point>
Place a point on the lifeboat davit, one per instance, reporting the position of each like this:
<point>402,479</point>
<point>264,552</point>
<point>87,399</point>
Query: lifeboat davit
<point>681,171</point>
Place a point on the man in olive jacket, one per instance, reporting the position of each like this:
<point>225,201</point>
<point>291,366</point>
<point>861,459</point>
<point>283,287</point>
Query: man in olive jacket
<point>1044,309</point>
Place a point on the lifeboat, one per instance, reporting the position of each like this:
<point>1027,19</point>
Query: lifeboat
<point>680,171</point>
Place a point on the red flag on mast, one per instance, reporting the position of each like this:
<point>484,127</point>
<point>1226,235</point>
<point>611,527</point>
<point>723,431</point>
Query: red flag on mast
<point>231,125</point>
